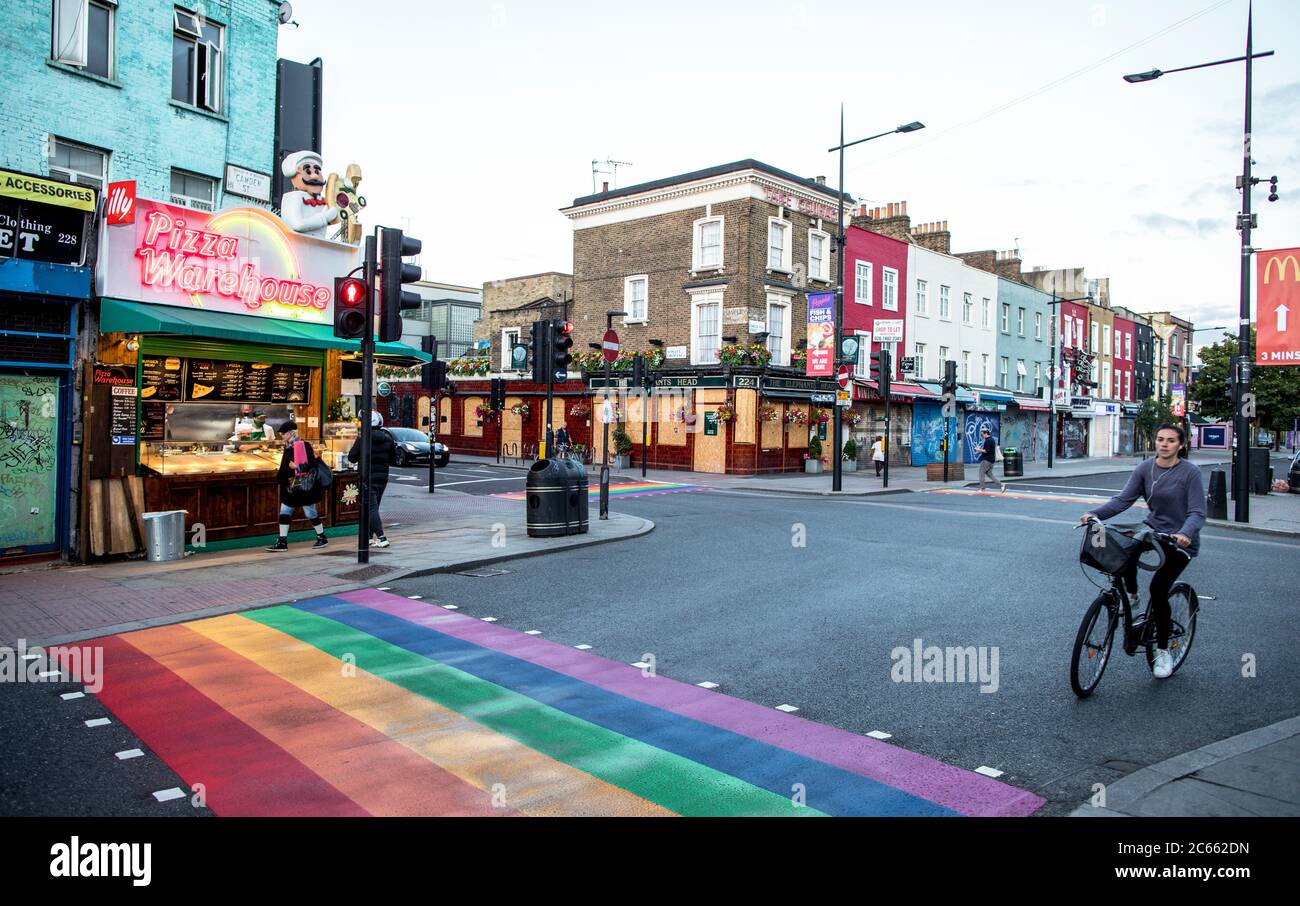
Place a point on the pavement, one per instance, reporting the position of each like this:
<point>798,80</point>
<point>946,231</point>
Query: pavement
<point>441,532</point>
<point>1245,776</point>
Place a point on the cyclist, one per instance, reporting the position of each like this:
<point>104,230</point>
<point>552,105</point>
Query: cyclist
<point>1175,497</point>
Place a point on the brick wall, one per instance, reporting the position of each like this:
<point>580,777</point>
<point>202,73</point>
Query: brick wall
<point>661,247</point>
<point>133,115</point>
<point>501,297</point>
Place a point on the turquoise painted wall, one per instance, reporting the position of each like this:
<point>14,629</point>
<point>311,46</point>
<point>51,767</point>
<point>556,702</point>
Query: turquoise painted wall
<point>132,115</point>
<point>1014,346</point>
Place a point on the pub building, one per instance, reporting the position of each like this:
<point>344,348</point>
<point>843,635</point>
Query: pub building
<point>208,319</point>
<point>45,248</point>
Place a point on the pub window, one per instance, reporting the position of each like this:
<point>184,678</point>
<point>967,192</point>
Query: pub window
<point>190,190</point>
<point>778,329</point>
<point>706,333</point>
<point>708,244</point>
<point>80,164</point>
<point>634,298</point>
<point>82,35</point>
<point>779,253</point>
<point>196,61</point>
<point>818,262</point>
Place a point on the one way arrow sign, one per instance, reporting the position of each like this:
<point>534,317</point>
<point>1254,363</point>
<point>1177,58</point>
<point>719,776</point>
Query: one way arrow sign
<point>1281,318</point>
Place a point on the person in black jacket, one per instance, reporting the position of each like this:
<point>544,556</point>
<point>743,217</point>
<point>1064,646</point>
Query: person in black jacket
<point>291,498</point>
<point>382,446</point>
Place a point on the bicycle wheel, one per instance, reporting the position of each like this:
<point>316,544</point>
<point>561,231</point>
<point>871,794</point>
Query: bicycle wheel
<point>1183,607</point>
<point>1093,646</point>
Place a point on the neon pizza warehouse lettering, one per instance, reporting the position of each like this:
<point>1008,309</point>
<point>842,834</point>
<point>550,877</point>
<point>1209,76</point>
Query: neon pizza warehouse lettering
<point>173,256</point>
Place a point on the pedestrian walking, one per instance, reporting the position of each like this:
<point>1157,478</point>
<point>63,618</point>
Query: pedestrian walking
<point>562,440</point>
<point>988,455</point>
<point>299,486</point>
<point>382,447</point>
<point>878,454</point>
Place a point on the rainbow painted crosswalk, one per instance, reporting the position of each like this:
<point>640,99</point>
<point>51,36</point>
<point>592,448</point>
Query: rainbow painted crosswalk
<point>1027,495</point>
<point>622,489</point>
<point>371,704</point>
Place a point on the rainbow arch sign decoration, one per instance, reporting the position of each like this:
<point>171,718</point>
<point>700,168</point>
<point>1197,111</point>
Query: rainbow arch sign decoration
<point>242,261</point>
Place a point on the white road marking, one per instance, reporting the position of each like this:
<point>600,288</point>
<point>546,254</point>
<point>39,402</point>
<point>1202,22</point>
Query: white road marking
<point>98,722</point>
<point>129,753</point>
<point>583,647</point>
<point>383,588</point>
<point>707,685</point>
<point>532,632</point>
<point>788,709</point>
<point>407,478</point>
<point>450,607</point>
<point>69,696</point>
<point>488,619</point>
<point>448,484</point>
<point>641,665</point>
<point>988,772</point>
<point>1012,485</point>
<point>169,795</point>
<point>880,734</point>
<point>416,597</point>
<point>48,673</point>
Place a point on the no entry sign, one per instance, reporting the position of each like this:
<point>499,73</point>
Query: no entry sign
<point>609,345</point>
<point>845,377</point>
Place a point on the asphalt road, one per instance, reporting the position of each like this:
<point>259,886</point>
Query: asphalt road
<point>466,478</point>
<point>720,592</point>
<point>1114,481</point>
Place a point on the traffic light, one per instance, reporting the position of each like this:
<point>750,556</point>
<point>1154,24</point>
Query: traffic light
<point>880,366</point>
<point>561,341</point>
<point>639,373</point>
<point>497,395</point>
<point>949,376</point>
<point>539,333</point>
<point>428,371</point>
<point>350,308</point>
<point>393,272</point>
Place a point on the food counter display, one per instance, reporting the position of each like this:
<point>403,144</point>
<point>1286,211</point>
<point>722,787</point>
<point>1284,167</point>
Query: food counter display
<point>210,442</point>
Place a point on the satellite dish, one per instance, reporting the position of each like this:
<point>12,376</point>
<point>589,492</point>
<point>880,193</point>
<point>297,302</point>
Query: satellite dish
<point>286,12</point>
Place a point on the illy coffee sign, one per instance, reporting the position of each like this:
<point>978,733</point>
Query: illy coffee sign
<point>119,206</point>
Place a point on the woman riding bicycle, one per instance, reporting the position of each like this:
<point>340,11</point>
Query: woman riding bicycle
<point>1175,497</point>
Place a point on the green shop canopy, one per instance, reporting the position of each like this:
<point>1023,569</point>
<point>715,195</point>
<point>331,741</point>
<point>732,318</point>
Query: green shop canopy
<point>119,316</point>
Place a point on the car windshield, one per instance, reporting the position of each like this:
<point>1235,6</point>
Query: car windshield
<point>408,435</point>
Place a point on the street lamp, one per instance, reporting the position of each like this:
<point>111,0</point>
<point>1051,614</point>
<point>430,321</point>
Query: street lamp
<point>837,470</point>
<point>1245,222</point>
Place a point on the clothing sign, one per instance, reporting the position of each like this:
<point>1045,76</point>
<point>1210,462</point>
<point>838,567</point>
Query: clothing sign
<point>821,334</point>
<point>34,231</point>
<point>1278,307</point>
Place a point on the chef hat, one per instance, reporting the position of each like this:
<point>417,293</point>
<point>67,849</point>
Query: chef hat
<point>298,158</point>
<point>376,420</point>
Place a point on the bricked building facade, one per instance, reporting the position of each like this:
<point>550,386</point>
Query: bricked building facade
<point>510,307</point>
<point>696,257</point>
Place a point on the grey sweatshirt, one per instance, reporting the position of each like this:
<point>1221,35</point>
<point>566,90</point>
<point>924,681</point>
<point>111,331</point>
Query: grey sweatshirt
<point>1175,496</point>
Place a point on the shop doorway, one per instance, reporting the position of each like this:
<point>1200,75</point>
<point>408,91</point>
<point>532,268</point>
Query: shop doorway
<point>29,461</point>
<point>710,448</point>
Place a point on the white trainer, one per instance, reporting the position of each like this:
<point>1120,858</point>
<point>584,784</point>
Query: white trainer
<point>1163,665</point>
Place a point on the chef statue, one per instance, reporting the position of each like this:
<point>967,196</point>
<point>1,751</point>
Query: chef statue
<point>305,210</point>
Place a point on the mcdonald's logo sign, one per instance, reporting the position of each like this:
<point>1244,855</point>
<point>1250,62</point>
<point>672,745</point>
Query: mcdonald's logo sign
<point>1281,263</point>
<point>1277,314</point>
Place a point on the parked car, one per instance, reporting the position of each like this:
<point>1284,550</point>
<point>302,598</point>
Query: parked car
<point>413,448</point>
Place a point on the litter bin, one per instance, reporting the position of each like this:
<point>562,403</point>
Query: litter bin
<point>577,502</point>
<point>1261,472</point>
<point>545,498</point>
<point>1013,463</point>
<point>164,535</point>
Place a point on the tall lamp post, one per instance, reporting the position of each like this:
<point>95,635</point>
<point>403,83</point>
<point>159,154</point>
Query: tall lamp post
<point>1245,222</point>
<point>1052,371</point>
<point>837,471</point>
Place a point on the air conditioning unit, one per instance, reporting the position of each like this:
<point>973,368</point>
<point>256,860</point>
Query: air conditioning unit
<point>196,204</point>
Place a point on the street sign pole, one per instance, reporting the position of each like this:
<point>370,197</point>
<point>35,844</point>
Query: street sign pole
<point>604,458</point>
<point>367,396</point>
<point>887,373</point>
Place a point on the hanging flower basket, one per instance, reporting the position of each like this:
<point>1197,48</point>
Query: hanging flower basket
<point>521,409</point>
<point>767,414</point>
<point>725,413</point>
<point>823,417</point>
<point>484,412</point>
<point>850,418</point>
<point>795,417</point>
<point>582,410</point>
<point>799,358</point>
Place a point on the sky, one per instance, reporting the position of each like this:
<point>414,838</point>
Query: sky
<point>475,122</point>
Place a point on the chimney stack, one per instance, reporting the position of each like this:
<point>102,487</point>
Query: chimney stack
<point>934,236</point>
<point>889,220</point>
<point>604,186</point>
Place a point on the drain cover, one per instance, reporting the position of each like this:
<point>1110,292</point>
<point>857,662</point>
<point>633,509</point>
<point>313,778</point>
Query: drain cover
<point>365,573</point>
<point>483,573</point>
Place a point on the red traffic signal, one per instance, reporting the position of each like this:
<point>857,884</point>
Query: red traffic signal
<point>350,307</point>
<point>567,328</point>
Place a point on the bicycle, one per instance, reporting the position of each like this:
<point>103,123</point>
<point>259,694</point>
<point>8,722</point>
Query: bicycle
<point>1094,642</point>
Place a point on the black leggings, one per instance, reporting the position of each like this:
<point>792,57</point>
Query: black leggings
<point>376,495</point>
<point>1163,579</point>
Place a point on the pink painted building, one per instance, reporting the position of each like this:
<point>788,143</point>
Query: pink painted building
<point>1124,336</point>
<point>875,288</point>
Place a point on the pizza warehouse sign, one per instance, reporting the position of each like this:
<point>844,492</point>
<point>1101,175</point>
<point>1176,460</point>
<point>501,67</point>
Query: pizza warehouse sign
<point>240,261</point>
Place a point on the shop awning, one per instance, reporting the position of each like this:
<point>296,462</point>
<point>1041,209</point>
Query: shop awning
<point>997,396</point>
<point>936,390</point>
<point>1033,403</point>
<point>120,316</point>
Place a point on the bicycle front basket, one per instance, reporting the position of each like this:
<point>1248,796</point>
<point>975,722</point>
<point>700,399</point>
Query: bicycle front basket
<point>1108,549</point>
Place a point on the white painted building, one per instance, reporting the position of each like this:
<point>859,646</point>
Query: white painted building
<point>953,315</point>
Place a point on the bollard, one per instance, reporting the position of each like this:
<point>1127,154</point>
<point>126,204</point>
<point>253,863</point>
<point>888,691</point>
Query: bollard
<point>1216,501</point>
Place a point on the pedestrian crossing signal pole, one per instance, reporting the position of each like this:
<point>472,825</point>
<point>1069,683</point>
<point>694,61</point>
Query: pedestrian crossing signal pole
<point>369,269</point>
<point>949,402</point>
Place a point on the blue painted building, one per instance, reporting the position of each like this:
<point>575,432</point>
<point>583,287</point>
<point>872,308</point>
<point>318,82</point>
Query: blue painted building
<point>178,98</point>
<point>1023,353</point>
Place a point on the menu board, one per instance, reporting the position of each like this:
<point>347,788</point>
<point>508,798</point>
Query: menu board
<point>212,380</point>
<point>122,419</point>
<point>153,417</point>
<point>160,378</point>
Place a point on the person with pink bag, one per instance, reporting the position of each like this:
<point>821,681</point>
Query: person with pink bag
<point>299,486</point>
